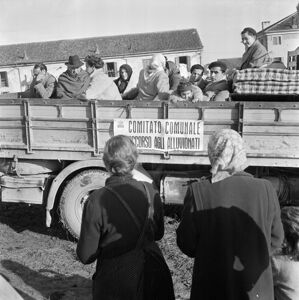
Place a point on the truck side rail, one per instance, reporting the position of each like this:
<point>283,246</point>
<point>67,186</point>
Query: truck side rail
<point>77,130</point>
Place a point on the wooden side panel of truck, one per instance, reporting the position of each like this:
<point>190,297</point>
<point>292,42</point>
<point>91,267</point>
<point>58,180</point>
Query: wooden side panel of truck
<point>63,140</point>
<point>74,130</point>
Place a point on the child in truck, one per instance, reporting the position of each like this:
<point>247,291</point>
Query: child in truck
<point>186,91</point>
<point>285,265</point>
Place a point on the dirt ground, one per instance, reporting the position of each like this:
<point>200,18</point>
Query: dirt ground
<point>41,263</point>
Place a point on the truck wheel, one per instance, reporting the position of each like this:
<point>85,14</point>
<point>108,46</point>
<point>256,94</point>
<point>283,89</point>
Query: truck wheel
<point>74,196</point>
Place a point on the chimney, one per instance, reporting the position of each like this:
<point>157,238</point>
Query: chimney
<point>97,50</point>
<point>25,57</point>
<point>265,24</point>
<point>295,19</point>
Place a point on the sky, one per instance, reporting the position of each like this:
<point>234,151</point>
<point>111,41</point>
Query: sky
<point>218,22</point>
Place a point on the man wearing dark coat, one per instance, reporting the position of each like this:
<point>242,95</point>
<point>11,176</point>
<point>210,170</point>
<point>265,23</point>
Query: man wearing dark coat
<point>74,81</point>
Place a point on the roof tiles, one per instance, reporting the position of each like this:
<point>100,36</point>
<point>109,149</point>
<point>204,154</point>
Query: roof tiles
<point>108,46</point>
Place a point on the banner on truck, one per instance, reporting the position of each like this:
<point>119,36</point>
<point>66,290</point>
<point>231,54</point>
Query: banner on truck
<point>162,134</point>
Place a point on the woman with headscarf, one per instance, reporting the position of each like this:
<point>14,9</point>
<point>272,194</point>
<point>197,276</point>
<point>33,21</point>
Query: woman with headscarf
<point>231,225</point>
<point>153,83</point>
<point>124,82</point>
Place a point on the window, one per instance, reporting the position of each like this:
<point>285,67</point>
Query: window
<point>146,62</point>
<point>276,40</point>
<point>111,69</point>
<point>4,80</point>
<point>184,60</point>
<point>277,58</point>
<point>292,58</point>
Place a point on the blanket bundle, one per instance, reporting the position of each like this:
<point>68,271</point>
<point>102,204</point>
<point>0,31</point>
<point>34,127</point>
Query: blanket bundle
<point>267,81</point>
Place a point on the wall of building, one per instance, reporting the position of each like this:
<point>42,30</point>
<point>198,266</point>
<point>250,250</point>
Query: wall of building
<point>19,77</point>
<point>289,41</point>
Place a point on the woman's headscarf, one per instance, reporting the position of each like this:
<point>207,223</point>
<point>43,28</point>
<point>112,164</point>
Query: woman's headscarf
<point>157,63</point>
<point>226,153</point>
<point>120,82</point>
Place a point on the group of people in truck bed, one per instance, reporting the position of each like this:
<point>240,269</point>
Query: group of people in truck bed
<point>160,80</point>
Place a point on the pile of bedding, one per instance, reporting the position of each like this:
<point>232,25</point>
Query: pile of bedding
<point>267,81</point>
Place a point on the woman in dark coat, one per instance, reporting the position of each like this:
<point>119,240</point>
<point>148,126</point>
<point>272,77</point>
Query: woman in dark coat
<point>124,82</point>
<point>110,232</point>
<point>231,225</point>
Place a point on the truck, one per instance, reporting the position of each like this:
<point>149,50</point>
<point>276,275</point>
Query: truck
<point>51,149</point>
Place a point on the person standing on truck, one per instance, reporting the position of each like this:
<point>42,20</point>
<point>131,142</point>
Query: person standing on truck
<point>231,225</point>
<point>120,224</point>
<point>153,83</point>
<point>101,86</point>
<point>43,84</point>
<point>74,81</point>
<point>217,89</point>
<point>255,55</point>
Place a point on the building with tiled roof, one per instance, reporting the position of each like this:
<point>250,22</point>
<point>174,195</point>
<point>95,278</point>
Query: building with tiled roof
<point>16,61</point>
<point>281,37</point>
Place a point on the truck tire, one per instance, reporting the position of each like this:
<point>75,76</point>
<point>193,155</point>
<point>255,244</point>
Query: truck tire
<point>74,196</point>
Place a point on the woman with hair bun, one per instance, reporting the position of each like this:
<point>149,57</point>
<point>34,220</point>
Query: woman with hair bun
<point>120,224</point>
<point>101,86</point>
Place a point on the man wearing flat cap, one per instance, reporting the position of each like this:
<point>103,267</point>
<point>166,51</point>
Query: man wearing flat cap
<point>74,81</point>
